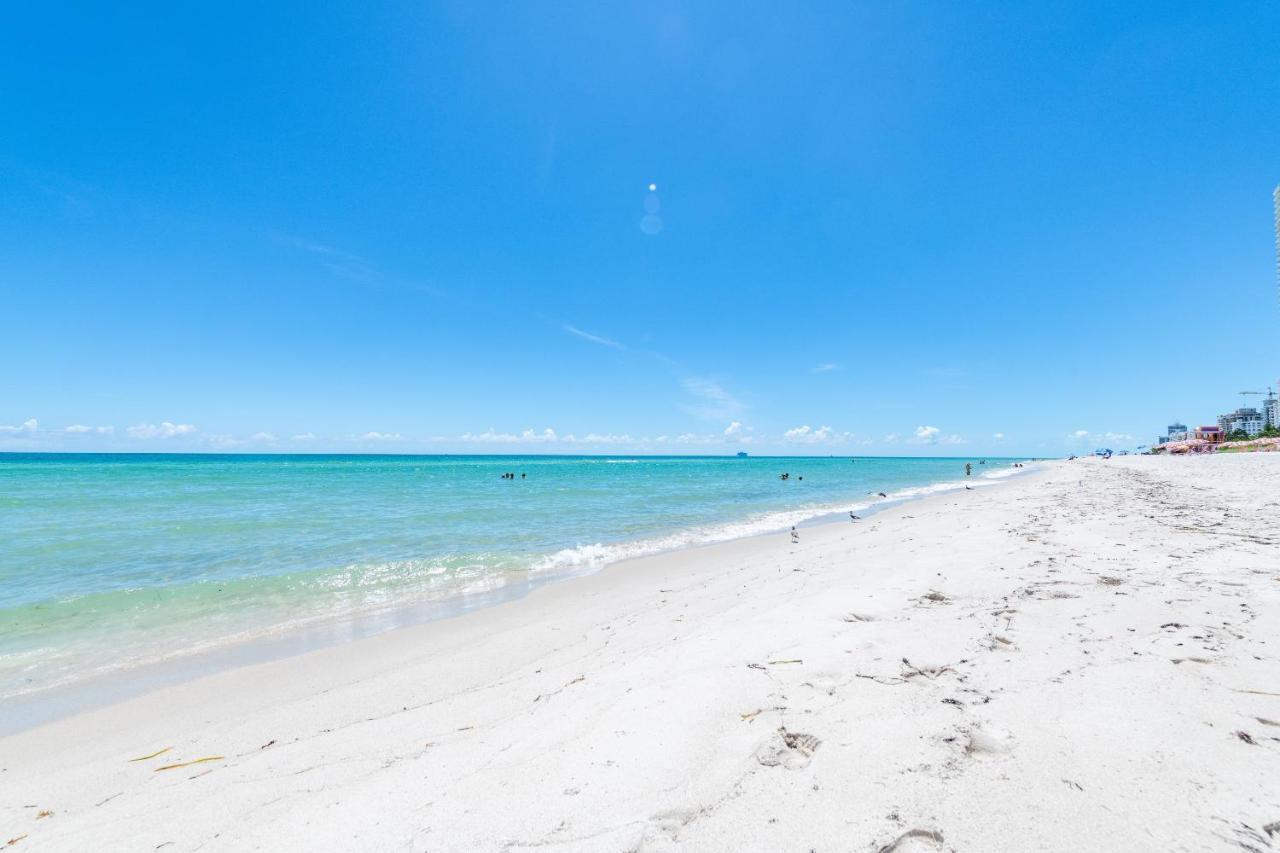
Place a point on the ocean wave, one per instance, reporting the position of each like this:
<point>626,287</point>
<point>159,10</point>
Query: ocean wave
<point>596,555</point>
<point>163,623</point>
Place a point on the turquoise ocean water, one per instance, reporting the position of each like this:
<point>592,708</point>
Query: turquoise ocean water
<point>110,561</point>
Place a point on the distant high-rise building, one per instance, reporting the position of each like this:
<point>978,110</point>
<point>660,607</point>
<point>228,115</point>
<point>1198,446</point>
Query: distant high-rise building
<point>1248,420</point>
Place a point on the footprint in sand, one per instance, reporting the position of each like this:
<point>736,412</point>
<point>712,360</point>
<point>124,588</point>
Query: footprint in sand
<point>662,832</point>
<point>792,750</point>
<point>997,643</point>
<point>914,841</point>
<point>989,741</point>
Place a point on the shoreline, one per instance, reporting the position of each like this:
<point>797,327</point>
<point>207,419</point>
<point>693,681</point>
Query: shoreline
<point>46,704</point>
<point>1079,660</point>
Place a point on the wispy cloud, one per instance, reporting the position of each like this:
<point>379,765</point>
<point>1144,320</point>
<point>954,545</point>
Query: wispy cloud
<point>595,339</point>
<point>733,428</point>
<point>82,429</point>
<point>303,436</point>
<point>380,436</point>
<point>346,264</point>
<point>349,265</point>
<point>999,436</point>
<point>604,438</point>
<point>826,367</point>
<point>711,401</point>
<point>161,430</point>
<point>28,426</point>
<point>1084,436</point>
<point>822,435</point>
<point>549,437</point>
<point>491,436</point>
<point>933,435</point>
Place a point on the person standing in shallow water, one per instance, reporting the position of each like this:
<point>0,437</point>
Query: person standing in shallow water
<point>968,469</point>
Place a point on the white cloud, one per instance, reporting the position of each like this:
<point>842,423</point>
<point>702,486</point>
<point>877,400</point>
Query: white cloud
<point>527,436</point>
<point>162,430</point>
<point>999,436</point>
<point>714,402</point>
<point>806,433</point>
<point>29,425</point>
<point>822,435</point>
<point>891,438</point>
<point>1084,436</point>
<point>225,440</point>
<point>80,429</point>
<point>933,435</point>
<point>733,428</point>
<point>826,367</point>
<point>303,436</point>
<point>381,436</point>
<point>690,438</point>
<point>927,434</point>
<point>595,339</point>
<point>606,438</point>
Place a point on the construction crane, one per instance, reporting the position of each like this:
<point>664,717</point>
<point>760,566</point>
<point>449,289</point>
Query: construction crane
<point>1268,413</point>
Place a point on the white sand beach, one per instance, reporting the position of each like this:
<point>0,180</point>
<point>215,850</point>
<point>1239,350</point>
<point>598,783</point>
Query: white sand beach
<point>1085,658</point>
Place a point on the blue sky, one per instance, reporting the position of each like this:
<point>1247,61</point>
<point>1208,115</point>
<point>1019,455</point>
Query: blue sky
<point>886,228</point>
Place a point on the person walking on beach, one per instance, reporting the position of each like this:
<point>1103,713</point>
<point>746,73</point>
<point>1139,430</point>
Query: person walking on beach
<point>795,534</point>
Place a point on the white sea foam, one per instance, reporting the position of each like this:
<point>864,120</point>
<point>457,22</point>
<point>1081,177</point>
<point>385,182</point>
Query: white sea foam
<point>591,556</point>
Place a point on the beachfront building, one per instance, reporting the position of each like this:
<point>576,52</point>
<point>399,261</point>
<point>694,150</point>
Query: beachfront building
<point>1211,434</point>
<point>1271,410</point>
<point>1248,419</point>
<point>1176,432</point>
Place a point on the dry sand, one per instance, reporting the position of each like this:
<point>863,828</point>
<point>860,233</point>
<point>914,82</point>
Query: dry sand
<point>1081,659</point>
